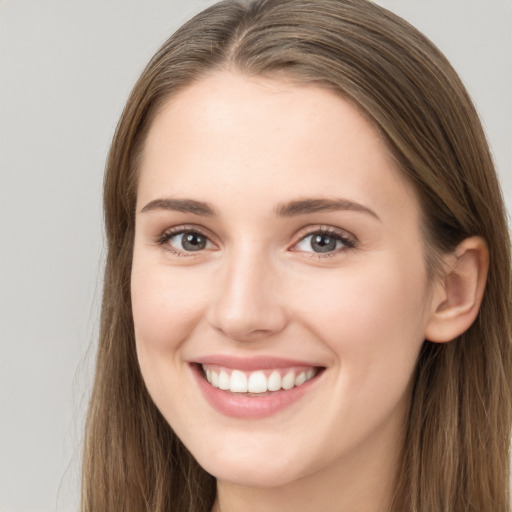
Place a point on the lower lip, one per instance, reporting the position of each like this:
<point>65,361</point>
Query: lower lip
<point>250,407</point>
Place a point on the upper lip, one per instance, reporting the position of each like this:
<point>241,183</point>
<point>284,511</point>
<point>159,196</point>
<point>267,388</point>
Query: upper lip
<point>261,362</point>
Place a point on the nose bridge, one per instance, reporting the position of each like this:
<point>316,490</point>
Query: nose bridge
<point>247,304</point>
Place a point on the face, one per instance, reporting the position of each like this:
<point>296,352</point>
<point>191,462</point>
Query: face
<point>279,289</point>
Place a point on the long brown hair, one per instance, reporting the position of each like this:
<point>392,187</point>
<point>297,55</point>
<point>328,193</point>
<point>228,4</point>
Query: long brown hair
<point>456,448</point>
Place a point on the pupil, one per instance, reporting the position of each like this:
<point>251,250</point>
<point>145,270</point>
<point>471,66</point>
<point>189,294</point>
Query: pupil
<point>193,242</point>
<point>323,243</point>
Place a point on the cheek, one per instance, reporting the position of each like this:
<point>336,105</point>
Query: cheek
<point>372,319</point>
<point>373,324</point>
<point>166,306</point>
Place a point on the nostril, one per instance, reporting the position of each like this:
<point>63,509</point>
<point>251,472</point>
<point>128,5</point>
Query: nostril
<point>248,326</point>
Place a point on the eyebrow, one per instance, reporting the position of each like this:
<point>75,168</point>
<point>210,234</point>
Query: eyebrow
<point>305,206</point>
<point>288,209</point>
<point>180,205</point>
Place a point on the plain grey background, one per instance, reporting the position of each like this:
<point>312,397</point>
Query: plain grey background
<point>66,68</point>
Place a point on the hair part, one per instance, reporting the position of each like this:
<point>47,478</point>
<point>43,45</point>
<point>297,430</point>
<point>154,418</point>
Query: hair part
<point>456,445</point>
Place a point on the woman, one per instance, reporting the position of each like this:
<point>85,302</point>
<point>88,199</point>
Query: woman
<point>307,289</point>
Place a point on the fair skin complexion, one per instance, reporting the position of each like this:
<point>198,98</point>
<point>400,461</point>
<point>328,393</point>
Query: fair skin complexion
<point>230,262</point>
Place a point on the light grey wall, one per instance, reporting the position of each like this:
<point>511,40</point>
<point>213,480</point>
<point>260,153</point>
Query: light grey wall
<point>66,68</point>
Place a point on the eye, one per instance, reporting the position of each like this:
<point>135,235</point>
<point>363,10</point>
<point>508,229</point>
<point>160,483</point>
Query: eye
<point>322,242</point>
<point>184,241</point>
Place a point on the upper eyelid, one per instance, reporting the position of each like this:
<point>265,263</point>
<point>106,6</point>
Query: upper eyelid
<point>331,230</point>
<point>176,230</point>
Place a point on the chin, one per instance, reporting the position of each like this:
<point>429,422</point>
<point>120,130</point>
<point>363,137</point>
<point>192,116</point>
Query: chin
<point>247,473</point>
<point>256,460</point>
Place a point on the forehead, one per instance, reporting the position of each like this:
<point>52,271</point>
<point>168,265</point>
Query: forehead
<point>267,137</point>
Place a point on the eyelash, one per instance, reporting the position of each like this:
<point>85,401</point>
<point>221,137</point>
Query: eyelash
<point>347,241</point>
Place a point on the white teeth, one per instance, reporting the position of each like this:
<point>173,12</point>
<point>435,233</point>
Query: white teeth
<point>300,379</point>
<point>238,383</point>
<point>258,381</point>
<point>274,381</point>
<point>224,380</point>
<point>288,380</point>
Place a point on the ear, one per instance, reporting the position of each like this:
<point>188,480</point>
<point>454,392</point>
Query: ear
<point>457,296</point>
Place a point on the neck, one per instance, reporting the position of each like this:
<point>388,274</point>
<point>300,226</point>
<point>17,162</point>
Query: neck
<point>363,481</point>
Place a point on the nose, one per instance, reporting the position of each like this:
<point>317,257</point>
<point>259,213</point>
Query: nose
<point>247,305</point>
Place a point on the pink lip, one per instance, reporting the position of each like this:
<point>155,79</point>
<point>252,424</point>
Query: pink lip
<point>243,406</point>
<point>249,364</point>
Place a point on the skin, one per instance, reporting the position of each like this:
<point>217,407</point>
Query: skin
<point>244,146</point>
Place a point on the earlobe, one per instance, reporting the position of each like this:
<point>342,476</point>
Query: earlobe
<point>458,295</point>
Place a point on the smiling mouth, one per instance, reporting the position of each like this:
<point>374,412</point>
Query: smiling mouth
<point>259,382</point>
